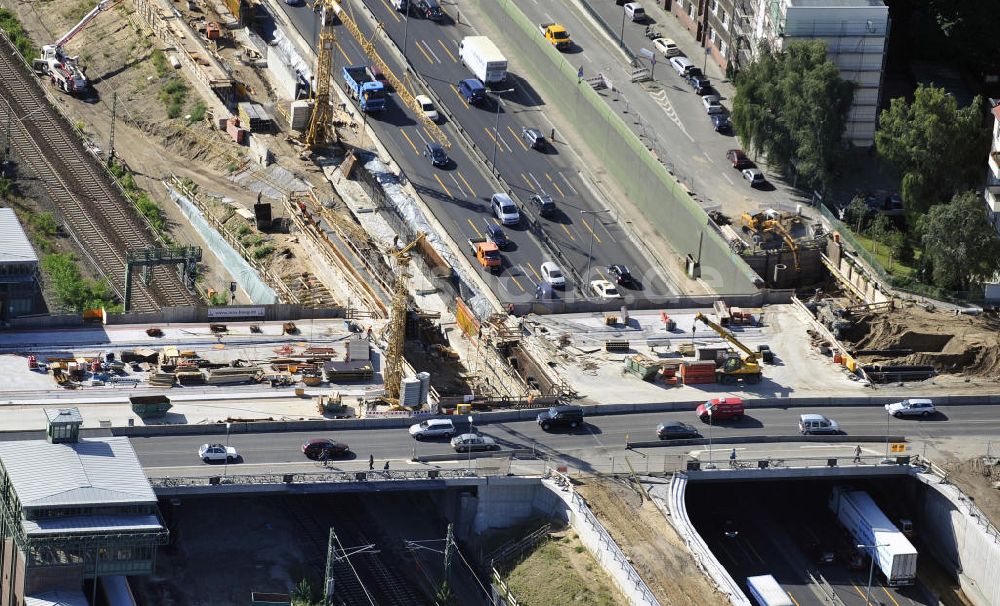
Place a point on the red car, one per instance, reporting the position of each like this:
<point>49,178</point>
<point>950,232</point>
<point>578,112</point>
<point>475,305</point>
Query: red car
<point>315,447</point>
<point>738,159</point>
<point>723,409</point>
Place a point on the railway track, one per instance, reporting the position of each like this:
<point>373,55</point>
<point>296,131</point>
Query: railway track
<point>94,212</point>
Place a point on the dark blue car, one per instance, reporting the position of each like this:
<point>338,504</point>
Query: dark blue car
<point>494,233</point>
<point>721,123</point>
<point>472,90</point>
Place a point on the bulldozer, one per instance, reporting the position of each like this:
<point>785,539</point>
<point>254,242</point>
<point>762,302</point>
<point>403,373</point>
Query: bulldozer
<point>736,366</point>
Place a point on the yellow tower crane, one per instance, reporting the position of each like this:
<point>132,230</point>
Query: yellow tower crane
<point>322,113</point>
<point>331,8</point>
<point>392,375</point>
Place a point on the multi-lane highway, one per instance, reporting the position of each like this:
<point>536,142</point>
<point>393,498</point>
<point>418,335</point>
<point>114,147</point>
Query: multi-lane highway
<point>459,194</point>
<point>584,448</point>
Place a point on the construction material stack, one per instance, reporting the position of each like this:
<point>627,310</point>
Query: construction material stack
<point>254,117</point>
<point>698,372</point>
<point>893,553</point>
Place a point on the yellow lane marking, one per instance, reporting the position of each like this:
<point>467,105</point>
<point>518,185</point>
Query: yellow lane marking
<point>566,229</point>
<point>555,185</point>
<point>445,187</point>
<point>792,598</point>
<point>601,273</point>
<point>490,133</point>
<point>516,138</point>
<point>346,58</point>
<point>391,11</point>
<point>447,51</point>
<point>410,141</point>
<point>591,230</point>
<point>426,56</point>
<point>471,191</point>
<point>457,94</point>
<point>531,186</point>
<point>518,283</point>
<point>890,595</point>
<point>538,277</point>
<point>476,229</point>
<point>858,589</point>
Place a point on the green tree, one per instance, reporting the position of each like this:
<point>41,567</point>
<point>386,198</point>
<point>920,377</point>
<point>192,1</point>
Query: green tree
<point>856,213</point>
<point>45,223</point>
<point>961,247</point>
<point>969,29</point>
<point>938,147</point>
<point>792,105</point>
<point>302,594</point>
<point>878,229</point>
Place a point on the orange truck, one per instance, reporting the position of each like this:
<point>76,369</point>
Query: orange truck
<point>486,253</point>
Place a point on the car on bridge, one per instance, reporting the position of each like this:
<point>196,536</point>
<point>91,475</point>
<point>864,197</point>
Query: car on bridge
<point>314,448</point>
<point>605,289</point>
<point>432,428</point>
<point>560,416</point>
<point>913,407</point>
<point>676,430</point>
<point>213,453</point>
<point>471,442</point>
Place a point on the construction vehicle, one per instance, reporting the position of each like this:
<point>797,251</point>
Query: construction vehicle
<point>64,71</point>
<point>319,122</point>
<point>487,254</point>
<point>369,92</point>
<point>768,222</point>
<point>777,227</point>
<point>556,35</point>
<point>734,367</point>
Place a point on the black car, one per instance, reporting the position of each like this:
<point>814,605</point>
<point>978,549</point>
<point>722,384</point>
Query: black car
<point>429,9</point>
<point>435,152</point>
<point>560,416</point>
<point>721,123</point>
<point>315,448</point>
<point>675,430</point>
<point>621,275</point>
<point>700,84</point>
<point>495,234</point>
<point>543,204</point>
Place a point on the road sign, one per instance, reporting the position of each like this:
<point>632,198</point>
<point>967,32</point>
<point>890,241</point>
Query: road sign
<point>645,52</point>
<point>897,447</point>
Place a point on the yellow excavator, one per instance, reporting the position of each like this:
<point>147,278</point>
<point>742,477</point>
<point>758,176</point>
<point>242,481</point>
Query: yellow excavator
<point>769,222</point>
<point>735,367</point>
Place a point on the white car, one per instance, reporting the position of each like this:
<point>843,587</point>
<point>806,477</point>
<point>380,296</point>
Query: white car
<point>667,47</point>
<point>217,452</point>
<point>432,428</point>
<point>712,105</point>
<point>505,210</point>
<point>912,407</point>
<point>552,274</point>
<point>753,176</point>
<point>427,106</point>
<point>635,12</point>
<point>605,289</point>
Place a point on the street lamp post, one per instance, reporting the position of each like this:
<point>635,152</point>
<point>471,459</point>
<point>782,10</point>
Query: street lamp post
<point>621,36</point>
<point>496,127</point>
<point>888,415</point>
<point>871,570</point>
<point>472,430</point>
<point>406,26</point>
<point>225,469</point>
<point>590,255</point>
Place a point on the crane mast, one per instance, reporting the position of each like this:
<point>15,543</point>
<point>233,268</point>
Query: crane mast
<point>322,113</point>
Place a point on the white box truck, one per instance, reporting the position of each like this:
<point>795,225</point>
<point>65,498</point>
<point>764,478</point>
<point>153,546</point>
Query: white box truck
<point>767,592</point>
<point>480,55</point>
<point>894,555</point>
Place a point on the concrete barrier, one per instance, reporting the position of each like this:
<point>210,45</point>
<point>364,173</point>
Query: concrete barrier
<point>520,453</point>
<point>765,440</point>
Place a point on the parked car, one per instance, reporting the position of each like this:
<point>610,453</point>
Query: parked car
<point>533,137</point>
<point>552,274</point>
<point>315,447</point>
<point>401,5</point>
<point>712,105</point>
<point>754,177</point>
<point>210,453</point>
<point>560,416</point>
<point>817,424</point>
<point>723,409</point>
<point>432,428</point>
<point>504,209</point>
<point>496,235</point>
<point>912,407</point>
<point>700,84</point>
<point>427,106</point>
<point>605,289</point>
<point>621,275</point>
<point>738,159</point>
<point>434,151</point>
<point>543,204</point>
<point>682,65</point>
<point>471,442</point>
<point>721,123</point>
<point>667,47</point>
<point>472,90</point>
<point>675,430</point>
<point>634,12</point>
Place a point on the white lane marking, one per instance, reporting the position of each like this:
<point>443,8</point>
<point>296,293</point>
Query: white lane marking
<point>568,184</point>
<point>726,177</point>
<point>457,184</point>
<point>538,186</point>
<point>661,99</point>
<point>708,156</point>
<point>427,48</point>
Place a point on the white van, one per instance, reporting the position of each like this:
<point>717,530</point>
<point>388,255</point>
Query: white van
<point>635,12</point>
<point>682,65</point>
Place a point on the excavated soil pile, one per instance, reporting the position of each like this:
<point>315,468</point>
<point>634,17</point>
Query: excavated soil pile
<point>955,344</point>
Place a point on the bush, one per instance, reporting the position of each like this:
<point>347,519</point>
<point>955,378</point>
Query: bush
<point>151,210</point>
<point>160,63</point>
<point>262,251</point>
<point>173,94</point>
<point>45,224</point>
<point>17,35</point>
<point>72,289</point>
<point>197,113</point>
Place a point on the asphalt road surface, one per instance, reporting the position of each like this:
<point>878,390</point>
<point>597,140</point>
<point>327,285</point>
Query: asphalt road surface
<point>459,194</point>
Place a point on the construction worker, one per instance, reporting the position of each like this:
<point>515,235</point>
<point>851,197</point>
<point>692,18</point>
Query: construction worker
<point>732,458</point>
<point>386,466</point>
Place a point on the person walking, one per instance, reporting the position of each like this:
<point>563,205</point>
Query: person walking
<point>324,455</point>
<point>732,458</point>
<point>386,466</point>
<point>857,454</point>
<point>371,462</point>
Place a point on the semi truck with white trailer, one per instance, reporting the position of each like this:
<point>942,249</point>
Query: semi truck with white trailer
<point>893,553</point>
<point>766,591</point>
<point>483,58</point>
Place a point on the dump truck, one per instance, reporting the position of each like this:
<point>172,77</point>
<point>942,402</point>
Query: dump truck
<point>556,35</point>
<point>369,92</point>
<point>892,552</point>
<point>486,253</point>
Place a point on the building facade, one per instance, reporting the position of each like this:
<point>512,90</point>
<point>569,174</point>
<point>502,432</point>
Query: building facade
<point>72,511</point>
<point>19,291</point>
<point>992,190</point>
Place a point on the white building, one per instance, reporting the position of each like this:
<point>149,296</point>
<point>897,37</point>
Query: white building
<point>993,174</point>
<point>855,32</point>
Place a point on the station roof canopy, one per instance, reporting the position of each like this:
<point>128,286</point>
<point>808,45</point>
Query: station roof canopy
<point>57,598</point>
<point>96,471</point>
<point>14,244</point>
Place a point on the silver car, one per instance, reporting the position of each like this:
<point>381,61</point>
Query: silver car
<point>469,442</point>
<point>432,428</point>
<point>913,407</point>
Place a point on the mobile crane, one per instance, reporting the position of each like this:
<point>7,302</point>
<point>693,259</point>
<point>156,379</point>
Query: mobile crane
<point>735,367</point>
<point>63,70</point>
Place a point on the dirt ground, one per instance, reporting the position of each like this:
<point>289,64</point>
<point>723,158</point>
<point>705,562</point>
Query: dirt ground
<point>650,543</point>
<point>961,345</point>
<point>562,571</point>
<point>975,477</point>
